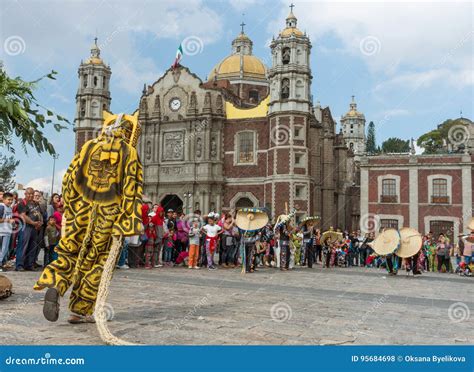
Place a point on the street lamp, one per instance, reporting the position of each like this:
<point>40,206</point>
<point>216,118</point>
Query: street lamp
<point>55,157</point>
<point>187,197</point>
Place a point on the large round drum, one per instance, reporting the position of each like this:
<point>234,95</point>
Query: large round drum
<point>251,219</point>
<point>387,242</point>
<point>410,242</point>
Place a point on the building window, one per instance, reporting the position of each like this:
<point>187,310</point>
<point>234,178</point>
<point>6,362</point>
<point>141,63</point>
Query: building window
<point>253,96</point>
<point>285,56</point>
<point>299,192</point>
<point>103,82</point>
<point>83,108</point>
<point>297,132</point>
<point>388,224</point>
<point>389,191</point>
<point>298,160</point>
<point>246,147</point>
<point>244,203</point>
<point>95,81</point>
<point>84,83</point>
<point>285,89</point>
<point>444,227</point>
<point>440,191</point>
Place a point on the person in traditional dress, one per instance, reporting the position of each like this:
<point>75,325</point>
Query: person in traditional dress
<point>284,231</point>
<point>102,191</point>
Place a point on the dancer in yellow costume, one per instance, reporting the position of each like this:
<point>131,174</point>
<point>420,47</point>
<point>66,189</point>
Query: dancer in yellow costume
<point>102,192</point>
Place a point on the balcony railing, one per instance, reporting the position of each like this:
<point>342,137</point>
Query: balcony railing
<point>388,199</point>
<point>440,199</point>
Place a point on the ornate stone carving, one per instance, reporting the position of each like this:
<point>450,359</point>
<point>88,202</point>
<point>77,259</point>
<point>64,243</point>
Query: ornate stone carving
<point>173,146</point>
<point>198,147</point>
<point>157,105</point>
<point>213,147</point>
<point>219,105</point>
<point>207,103</point>
<point>176,74</point>
<point>192,109</point>
<point>148,150</point>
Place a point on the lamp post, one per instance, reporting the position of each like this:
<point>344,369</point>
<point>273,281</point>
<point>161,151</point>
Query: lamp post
<point>55,157</point>
<point>187,197</point>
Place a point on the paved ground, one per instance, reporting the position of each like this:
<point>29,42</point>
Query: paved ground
<point>304,306</point>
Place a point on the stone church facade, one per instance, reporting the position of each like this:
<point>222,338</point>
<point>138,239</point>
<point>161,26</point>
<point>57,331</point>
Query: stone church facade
<point>248,136</point>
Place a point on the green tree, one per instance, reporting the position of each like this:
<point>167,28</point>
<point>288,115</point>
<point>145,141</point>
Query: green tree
<point>7,172</point>
<point>434,141</point>
<point>22,116</point>
<point>370,145</point>
<point>394,144</point>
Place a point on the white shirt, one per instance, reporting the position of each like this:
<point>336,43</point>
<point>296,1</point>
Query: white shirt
<point>211,231</point>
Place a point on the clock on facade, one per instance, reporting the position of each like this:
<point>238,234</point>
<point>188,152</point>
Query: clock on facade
<point>175,104</point>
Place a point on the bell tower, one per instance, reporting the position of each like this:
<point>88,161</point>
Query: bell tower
<point>290,111</point>
<point>93,96</point>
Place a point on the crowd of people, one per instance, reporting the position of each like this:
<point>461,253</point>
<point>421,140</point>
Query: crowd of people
<point>171,238</point>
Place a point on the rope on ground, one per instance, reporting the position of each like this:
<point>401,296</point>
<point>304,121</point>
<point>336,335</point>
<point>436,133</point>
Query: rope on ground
<point>100,313</point>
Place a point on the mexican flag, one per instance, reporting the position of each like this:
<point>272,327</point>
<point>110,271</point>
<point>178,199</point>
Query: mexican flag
<point>179,55</point>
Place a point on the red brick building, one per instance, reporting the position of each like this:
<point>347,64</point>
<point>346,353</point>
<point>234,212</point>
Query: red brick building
<point>426,192</point>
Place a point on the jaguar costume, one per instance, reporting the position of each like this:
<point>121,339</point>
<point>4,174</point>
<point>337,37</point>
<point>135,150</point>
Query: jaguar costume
<point>102,192</point>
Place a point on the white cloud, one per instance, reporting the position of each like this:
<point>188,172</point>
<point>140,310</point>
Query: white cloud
<point>404,35</point>
<point>242,4</point>
<point>44,183</point>
<point>62,32</point>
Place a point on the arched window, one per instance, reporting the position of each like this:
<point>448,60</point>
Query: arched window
<point>84,82</point>
<point>285,56</point>
<point>285,89</point>
<point>244,203</point>
<point>95,81</point>
<point>83,108</point>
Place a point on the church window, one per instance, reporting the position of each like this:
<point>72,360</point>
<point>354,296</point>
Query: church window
<point>285,89</point>
<point>253,96</point>
<point>297,132</point>
<point>246,147</point>
<point>103,82</point>
<point>299,191</point>
<point>95,81</point>
<point>83,108</point>
<point>285,56</point>
<point>298,159</point>
<point>238,49</point>
<point>84,83</point>
<point>244,203</point>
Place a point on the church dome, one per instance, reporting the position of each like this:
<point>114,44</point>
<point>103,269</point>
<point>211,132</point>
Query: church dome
<point>353,113</point>
<point>289,31</point>
<point>95,55</point>
<point>229,68</point>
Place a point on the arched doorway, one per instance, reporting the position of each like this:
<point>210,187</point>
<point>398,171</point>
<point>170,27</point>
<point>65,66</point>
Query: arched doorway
<point>173,202</point>
<point>244,203</point>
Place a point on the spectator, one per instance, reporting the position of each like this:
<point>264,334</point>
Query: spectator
<point>30,213</point>
<point>442,252</point>
<point>6,227</point>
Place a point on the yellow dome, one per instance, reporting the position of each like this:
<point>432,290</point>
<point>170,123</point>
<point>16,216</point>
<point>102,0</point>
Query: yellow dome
<point>95,61</point>
<point>287,32</point>
<point>229,68</point>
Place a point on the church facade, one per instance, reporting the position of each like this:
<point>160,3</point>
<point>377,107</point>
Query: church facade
<point>248,136</point>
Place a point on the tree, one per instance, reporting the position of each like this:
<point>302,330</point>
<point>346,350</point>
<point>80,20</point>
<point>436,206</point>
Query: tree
<point>22,116</point>
<point>434,141</point>
<point>7,172</point>
<point>394,144</point>
<point>370,146</point>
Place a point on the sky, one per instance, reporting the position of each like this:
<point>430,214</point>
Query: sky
<point>408,64</point>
